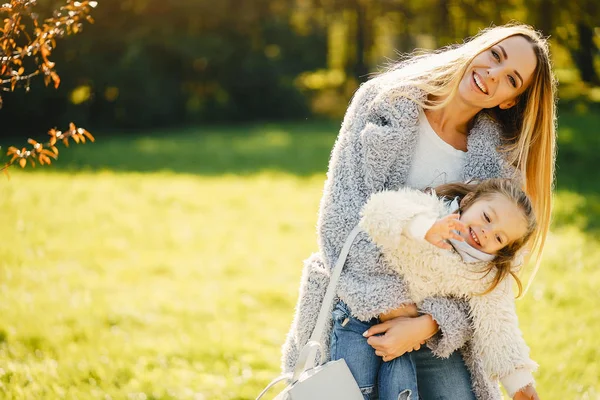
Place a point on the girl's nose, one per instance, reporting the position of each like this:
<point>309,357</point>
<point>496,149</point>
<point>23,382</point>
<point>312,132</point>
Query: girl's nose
<point>484,232</point>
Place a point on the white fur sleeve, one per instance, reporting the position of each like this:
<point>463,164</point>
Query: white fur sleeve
<point>498,339</point>
<point>388,215</point>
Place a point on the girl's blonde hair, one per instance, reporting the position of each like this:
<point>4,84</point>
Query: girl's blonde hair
<point>469,193</point>
<point>529,127</point>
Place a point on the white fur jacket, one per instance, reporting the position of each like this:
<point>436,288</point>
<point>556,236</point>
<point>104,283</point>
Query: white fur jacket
<point>397,221</point>
<point>373,152</point>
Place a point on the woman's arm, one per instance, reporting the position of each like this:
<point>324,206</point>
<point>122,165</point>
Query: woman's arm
<point>400,335</point>
<point>452,316</point>
<point>403,334</point>
<point>498,339</point>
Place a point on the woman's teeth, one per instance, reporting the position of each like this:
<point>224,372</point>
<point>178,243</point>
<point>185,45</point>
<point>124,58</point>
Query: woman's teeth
<point>474,237</point>
<point>479,84</point>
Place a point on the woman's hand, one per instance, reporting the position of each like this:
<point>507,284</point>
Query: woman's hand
<point>527,393</point>
<point>407,311</point>
<point>445,228</point>
<point>400,335</point>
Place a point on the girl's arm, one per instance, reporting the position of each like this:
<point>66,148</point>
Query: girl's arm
<point>389,215</point>
<point>498,339</point>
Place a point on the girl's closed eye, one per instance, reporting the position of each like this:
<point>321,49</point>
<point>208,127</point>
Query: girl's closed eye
<point>486,218</point>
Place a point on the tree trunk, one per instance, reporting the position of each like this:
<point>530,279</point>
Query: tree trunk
<point>361,70</point>
<point>442,27</point>
<point>583,56</point>
<point>545,13</point>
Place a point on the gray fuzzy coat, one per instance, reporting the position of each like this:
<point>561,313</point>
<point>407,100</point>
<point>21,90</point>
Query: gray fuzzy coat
<point>374,152</point>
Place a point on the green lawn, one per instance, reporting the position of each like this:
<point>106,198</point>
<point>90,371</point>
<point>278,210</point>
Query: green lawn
<point>166,266</point>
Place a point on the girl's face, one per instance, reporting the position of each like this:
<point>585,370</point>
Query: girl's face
<point>497,76</point>
<point>493,222</point>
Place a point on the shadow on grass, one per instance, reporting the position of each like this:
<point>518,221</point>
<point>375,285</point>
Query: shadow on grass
<point>297,148</point>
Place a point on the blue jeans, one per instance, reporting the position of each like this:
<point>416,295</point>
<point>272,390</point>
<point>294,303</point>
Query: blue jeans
<point>439,379</point>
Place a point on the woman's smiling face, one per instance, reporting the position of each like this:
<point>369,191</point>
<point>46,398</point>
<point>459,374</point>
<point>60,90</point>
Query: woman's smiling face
<point>497,76</point>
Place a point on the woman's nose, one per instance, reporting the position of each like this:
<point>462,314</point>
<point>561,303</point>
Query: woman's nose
<point>493,74</point>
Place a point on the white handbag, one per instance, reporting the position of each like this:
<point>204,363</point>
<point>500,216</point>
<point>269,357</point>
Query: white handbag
<point>323,381</point>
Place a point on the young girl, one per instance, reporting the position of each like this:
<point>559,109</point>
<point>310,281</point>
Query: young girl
<point>463,248</point>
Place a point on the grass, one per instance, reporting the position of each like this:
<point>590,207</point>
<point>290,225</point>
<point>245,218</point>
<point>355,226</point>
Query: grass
<point>165,266</point>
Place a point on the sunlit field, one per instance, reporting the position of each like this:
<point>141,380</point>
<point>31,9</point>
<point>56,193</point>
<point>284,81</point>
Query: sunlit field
<point>166,266</point>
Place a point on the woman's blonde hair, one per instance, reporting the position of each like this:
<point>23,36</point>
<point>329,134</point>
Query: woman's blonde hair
<point>529,127</point>
<point>469,193</point>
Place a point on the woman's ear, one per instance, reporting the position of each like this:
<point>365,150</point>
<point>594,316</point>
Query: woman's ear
<point>508,104</point>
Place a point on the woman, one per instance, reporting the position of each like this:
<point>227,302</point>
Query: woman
<point>480,110</point>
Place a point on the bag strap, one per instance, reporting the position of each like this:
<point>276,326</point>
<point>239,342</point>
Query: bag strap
<point>273,383</point>
<point>306,360</point>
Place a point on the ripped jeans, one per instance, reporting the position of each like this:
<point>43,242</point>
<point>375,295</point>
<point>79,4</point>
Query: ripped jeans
<point>439,379</point>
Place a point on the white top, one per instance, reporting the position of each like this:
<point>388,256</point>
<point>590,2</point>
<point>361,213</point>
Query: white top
<point>435,162</point>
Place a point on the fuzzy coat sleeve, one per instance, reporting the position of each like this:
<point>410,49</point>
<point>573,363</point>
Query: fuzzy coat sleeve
<point>390,123</point>
<point>385,218</point>
<point>498,339</point>
<point>313,285</point>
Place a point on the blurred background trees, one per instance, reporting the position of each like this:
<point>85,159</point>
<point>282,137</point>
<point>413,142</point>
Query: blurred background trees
<point>152,63</point>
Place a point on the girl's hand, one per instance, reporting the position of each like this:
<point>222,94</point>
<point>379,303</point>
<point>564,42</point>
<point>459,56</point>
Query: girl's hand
<point>527,393</point>
<point>444,229</point>
<point>400,335</point>
<point>407,311</point>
